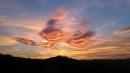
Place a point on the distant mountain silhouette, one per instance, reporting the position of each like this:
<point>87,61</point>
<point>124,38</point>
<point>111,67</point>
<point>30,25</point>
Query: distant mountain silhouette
<point>62,64</point>
<point>61,58</point>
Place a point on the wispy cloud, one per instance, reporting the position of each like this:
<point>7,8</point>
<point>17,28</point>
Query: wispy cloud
<point>21,27</point>
<point>116,47</point>
<point>122,30</point>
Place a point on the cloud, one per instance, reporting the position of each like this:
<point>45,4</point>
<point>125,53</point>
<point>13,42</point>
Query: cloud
<point>124,30</point>
<point>7,41</point>
<point>62,24</point>
<point>107,24</point>
<point>12,47</point>
<point>115,47</point>
<point>22,27</point>
<point>106,52</point>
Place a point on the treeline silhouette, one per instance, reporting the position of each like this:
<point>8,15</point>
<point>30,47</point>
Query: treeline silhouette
<point>61,64</point>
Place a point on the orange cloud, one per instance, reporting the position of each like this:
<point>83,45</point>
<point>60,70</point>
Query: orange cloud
<point>61,28</point>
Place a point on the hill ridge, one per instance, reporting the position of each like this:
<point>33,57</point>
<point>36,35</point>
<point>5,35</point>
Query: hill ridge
<point>62,64</point>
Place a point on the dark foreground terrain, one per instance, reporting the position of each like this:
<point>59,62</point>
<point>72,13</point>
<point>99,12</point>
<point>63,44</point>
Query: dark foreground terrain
<point>61,64</point>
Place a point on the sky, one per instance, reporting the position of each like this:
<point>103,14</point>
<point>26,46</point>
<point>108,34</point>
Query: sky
<point>79,29</point>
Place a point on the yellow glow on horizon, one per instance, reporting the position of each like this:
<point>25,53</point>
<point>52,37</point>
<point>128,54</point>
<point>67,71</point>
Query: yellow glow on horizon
<point>62,52</point>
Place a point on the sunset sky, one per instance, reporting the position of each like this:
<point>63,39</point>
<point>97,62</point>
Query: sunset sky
<point>79,29</point>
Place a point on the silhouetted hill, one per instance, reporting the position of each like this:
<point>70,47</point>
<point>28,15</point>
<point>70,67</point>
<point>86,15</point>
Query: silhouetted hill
<point>62,64</point>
